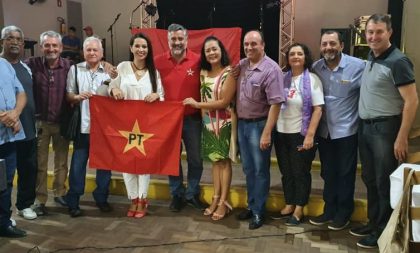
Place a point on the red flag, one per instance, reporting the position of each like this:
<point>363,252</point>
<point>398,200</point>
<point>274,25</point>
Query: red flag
<point>135,137</point>
<point>230,37</point>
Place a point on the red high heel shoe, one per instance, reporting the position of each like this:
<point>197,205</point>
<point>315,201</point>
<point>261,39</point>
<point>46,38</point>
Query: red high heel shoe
<point>141,208</point>
<point>133,207</point>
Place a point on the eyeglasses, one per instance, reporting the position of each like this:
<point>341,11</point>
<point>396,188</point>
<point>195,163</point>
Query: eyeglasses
<point>10,39</point>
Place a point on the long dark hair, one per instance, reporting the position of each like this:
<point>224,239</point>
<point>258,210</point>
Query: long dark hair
<point>308,56</point>
<point>150,64</point>
<point>225,61</point>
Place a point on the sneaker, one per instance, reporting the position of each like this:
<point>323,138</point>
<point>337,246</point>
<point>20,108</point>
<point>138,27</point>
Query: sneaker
<point>13,221</point>
<point>369,242</point>
<point>293,221</point>
<point>196,203</point>
<point>177,204</point>
<point>27,213</point>
<point>320,220</point>
<point>338,225</point>
<point>361,231</point>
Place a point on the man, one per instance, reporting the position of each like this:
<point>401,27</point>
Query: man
<point>89,75</point>
<point>337,132</point>
<point>71,45</point>
<point>26,149</point>
<point>387,107</point>
<point>88,31</point>
<point>12,102</point>
<point>49,77</point>
<point>259,95</point>
<point>180,71</point>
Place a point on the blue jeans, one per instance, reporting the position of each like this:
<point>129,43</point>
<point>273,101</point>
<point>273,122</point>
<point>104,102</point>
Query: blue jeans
<point>8,153</point>
<point>191,135</point>
<point>376,147</point>
<point>77,175</point>
<point>256,164</point>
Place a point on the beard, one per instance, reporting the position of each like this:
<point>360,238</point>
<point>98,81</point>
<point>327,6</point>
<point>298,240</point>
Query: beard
<point>331,56</point>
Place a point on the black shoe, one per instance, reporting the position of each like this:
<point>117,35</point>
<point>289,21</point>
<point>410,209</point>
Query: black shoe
<point>279,216</point>
<point>369,242</point>
<point>196,203</point>
<point>177,204</point>
<point>40,210</point>
<point>244,215</point>
<point>61,201</point>
<point>104,207</point>
<point>75,213</point>
<point>293,221</point>
<point>338,225</point>
<point>361,231</point>
<point>12,232</point>
<point>256,222</point>
<point>320,220</point>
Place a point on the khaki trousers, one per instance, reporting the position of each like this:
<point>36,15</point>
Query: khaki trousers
<point>47,132</point>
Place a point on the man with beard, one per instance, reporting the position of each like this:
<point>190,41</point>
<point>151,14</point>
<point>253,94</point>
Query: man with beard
<point>180,72</point>
<point>26,151</point>
<point>49,78</point>
<point>337,132</point>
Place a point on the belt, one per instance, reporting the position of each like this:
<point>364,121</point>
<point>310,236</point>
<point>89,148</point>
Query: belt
<point>254,120</point>
<point>380,119</point>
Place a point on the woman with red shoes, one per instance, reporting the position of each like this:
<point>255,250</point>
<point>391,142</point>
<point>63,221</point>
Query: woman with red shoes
<point>137,80</point>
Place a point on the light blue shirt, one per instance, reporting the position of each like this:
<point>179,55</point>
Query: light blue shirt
<point>341,95</point>
<point>9,87</point>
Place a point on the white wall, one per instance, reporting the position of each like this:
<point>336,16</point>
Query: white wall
<point>100,14</point>
<point>33,19</point>
<point>312,15</point>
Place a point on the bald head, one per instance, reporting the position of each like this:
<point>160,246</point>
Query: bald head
<point>254,46</point>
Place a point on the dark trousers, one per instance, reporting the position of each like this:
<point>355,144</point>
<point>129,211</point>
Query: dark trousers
<point>376,147</point>
<point>27,168</point>
<point>295,167</point>
<point>8,153</point>
<point>338,169</point>
<point>77,175</point>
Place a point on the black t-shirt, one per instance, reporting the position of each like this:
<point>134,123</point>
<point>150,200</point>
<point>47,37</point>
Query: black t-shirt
<point>27,117</point>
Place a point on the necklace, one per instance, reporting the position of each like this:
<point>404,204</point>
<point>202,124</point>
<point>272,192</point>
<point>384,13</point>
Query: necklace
<point>140,70</point>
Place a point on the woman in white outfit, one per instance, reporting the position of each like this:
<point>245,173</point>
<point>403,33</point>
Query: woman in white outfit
<point>137,80</point>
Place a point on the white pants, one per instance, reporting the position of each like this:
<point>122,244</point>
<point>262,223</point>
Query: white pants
<point>136,185</point>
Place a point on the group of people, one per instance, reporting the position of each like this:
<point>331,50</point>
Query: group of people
<point>337,104</point>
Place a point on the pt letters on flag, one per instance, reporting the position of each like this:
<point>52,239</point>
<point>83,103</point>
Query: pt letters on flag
<point>135,137</point>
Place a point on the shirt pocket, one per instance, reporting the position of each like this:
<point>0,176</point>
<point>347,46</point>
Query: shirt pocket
<point>343,86</point>
<point>253,92</point>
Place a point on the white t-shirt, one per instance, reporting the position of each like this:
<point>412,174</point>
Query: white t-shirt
<point>132,88</point>
<point>290,117</point>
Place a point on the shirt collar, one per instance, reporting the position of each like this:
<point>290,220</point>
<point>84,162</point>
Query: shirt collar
<point>60,62</point>
<point>342,64</point>
<point>384,55</point>
<point>100,68</point>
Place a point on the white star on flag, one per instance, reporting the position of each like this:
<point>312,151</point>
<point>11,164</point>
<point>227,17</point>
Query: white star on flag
<point>190,72</point>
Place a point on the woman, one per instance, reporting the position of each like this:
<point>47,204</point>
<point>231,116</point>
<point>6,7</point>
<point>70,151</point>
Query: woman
<point>137,80</point>
<point>219,123</point>
<point>296,127</point>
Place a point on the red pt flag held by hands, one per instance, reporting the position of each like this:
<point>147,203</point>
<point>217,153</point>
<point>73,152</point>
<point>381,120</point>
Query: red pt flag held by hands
<point>135,137</point>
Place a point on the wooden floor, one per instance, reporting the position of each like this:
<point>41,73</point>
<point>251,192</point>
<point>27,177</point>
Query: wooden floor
<point>164,231</point>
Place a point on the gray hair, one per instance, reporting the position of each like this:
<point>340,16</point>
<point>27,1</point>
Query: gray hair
<point>11,28</point>
<point>175,28</point>
<point>92,38</point>
<point>51,34</point>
